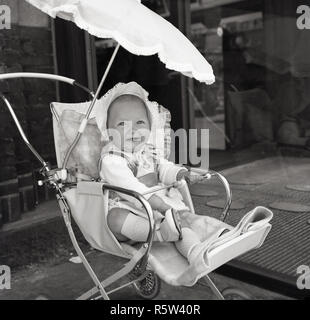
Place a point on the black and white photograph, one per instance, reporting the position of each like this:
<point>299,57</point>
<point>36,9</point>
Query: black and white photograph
<point>155,153</point>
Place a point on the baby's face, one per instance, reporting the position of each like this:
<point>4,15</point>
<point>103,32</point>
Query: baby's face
<point>128,123</point>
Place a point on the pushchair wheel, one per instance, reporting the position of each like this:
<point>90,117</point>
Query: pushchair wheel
<point>235,294</point>
<point>148,288</point>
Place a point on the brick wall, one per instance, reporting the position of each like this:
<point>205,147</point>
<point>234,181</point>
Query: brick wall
<point>26,47</point>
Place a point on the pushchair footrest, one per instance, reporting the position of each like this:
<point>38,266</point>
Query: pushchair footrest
<point>174,269</point>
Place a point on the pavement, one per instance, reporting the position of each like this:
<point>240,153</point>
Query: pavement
<point>67,281</point>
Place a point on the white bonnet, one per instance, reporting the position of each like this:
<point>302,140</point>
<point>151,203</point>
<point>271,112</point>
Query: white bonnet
<point>158,117</point>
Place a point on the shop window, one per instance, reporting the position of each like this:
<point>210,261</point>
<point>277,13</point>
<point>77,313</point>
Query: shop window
<point>261,59</point>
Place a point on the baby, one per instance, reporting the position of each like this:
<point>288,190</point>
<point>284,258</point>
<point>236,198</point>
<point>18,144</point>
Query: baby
<point>130,161</point>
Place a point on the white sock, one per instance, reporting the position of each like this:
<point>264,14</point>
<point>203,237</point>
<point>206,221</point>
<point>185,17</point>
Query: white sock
<point>187,245</point>
<point>135,228</point>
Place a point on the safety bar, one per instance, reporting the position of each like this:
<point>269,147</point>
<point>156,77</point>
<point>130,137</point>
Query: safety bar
<point>149,212</point>
<point>208,174</point>
<point>165,187</point>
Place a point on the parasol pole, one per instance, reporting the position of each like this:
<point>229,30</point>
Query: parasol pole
<point>84,121</point>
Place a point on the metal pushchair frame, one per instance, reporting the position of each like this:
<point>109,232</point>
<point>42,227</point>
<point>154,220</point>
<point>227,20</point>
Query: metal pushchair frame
<point>137,267</point>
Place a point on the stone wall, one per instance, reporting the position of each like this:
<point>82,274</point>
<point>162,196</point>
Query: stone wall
<point>25,47</point>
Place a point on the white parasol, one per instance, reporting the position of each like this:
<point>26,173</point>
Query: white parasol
<point>136,28</point>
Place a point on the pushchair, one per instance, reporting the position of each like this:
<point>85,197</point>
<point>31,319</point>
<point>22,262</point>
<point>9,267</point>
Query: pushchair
<point>85,199</point>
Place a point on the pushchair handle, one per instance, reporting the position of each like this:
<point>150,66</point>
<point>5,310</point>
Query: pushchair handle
<point>14,75</point>
<point>72,82</point>
<point>47,76</point>
<point>22,133</point>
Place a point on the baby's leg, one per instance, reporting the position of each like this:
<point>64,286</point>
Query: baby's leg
<point>116,218</point>
<point>126,225</point>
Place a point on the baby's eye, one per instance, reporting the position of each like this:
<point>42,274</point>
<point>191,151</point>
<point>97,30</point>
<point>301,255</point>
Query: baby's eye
<point>121,124</point>
<point>140,122</point>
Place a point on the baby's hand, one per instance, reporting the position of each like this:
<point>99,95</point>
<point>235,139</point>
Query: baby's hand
<point>183,174</point>
<point>189,177</point>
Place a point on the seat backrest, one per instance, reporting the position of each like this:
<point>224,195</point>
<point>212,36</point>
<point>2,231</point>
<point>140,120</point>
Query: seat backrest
<point>66,122</point>
<point>84,159</point>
